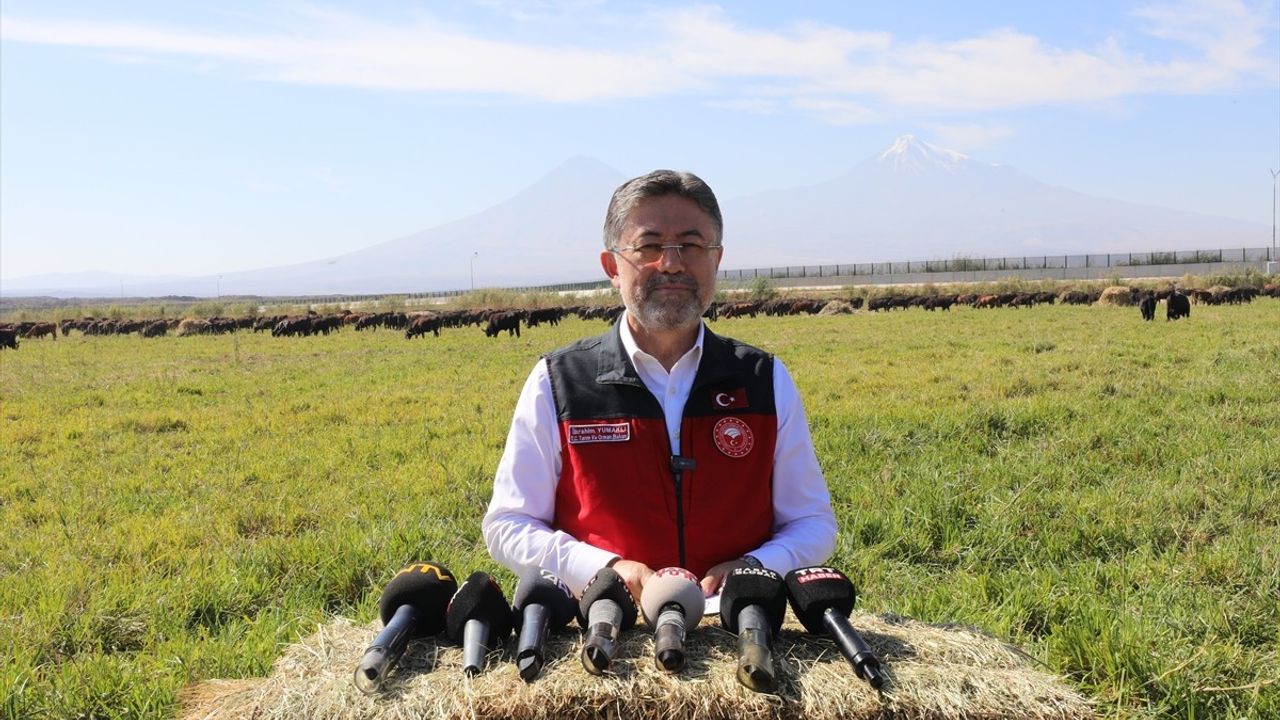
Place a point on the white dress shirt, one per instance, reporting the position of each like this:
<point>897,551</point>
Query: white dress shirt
<point>517,527</point>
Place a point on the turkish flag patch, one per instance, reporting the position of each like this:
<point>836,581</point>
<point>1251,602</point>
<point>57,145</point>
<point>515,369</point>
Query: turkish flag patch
<point>729,399</point>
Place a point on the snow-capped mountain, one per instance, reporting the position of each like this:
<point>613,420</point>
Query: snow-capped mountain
<point>916,201</point>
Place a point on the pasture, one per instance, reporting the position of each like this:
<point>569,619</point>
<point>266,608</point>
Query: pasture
<point>1101,491</point>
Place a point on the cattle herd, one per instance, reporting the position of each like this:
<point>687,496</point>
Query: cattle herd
<point>494,322</point>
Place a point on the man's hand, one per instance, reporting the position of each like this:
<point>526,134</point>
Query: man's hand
<point>716,575</point>
<point>634,574</point>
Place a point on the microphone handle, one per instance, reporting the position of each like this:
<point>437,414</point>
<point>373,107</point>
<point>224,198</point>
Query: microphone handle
<point>604,618</point>
<point>853,647</point>
<point>668,643</point>
<point>475,645</point>
<point>385,651</point>
<point>533,633</point>
<point>755,660</point>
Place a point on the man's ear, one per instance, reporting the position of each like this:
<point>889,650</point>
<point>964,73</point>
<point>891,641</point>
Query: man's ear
<point>609,262</point>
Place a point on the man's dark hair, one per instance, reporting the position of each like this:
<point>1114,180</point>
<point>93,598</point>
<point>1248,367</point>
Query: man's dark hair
<point>657,184</point>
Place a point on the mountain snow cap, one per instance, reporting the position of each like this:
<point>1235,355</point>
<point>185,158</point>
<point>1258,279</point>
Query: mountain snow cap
<point>912,156</point>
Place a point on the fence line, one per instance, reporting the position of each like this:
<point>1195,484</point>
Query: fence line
<point>1026,262</point>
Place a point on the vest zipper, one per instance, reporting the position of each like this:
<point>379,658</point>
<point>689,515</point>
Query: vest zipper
<point>679,464</point>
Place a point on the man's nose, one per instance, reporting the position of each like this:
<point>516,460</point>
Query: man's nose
<point>670,260</point>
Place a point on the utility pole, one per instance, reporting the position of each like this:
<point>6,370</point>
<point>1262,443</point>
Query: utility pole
<point>1274,174</point>
<point>474,255</point>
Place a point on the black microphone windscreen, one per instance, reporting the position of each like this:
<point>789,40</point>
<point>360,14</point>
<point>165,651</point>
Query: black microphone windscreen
<point>753,586</point>
<point>479,598</point>
<point>608,585</point>
<point>428,587</point>
<point>539,587</point>
<point>813,590</point>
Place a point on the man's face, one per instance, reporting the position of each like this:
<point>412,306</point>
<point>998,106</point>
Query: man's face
<point>674,290</point>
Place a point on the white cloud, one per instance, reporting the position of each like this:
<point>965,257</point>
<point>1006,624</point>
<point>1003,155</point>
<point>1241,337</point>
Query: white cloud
<point>968,137</point>
<point>840,74</point>
<point>836,112</point>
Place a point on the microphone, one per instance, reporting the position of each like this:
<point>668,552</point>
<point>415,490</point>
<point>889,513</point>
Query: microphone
<point>541,602</point>
<point>605,610</point>
<point>822,598</point>
<point>412,606</point>
<point>753,603</point>
<point>478,619</point>
<point>672,599</point>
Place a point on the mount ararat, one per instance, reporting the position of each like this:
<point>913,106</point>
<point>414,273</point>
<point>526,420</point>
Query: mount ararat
<point>913,201</point>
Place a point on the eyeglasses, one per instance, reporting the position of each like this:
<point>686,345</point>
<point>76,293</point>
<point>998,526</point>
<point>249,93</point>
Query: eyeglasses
<point>646,253</point>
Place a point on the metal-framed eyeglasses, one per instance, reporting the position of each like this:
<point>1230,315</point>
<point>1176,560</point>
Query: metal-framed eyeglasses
<point>646,253</point>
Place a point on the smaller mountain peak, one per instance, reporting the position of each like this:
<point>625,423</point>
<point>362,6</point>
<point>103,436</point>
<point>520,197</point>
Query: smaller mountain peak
<point>582,169</point>
<point>911,155</point>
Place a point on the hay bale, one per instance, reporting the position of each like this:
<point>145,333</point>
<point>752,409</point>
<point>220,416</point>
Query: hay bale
<point>934,672</point>
<point>1117,295</point>
<point>836,307</point>
<point>192,326</point>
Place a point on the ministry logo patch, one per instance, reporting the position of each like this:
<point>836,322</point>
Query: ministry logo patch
<point>613,432</point>
<point>734,437</point>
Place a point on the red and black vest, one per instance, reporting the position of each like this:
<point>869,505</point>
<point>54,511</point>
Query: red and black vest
<point>621,488</point>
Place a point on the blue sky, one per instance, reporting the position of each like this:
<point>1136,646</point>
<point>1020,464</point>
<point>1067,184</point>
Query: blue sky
<point>193,137</point>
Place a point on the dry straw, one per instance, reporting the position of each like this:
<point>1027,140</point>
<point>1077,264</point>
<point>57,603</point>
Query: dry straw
<point>934,672</point>
<point>1116,295</point>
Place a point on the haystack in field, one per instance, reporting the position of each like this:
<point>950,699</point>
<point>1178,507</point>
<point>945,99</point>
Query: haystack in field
<point>1117,295</point>
<point>933,672</point>
<point>836,307</point>
<point>192,326</point>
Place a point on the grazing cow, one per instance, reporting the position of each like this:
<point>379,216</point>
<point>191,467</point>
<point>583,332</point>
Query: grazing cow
<point>1147,305</point>
<point>888,302</point>
<point>499,321</point>
<point>545,315</point>
<point>9,339</point>
<point>290,326</point>
<point>326,324</point>
<point>39,330</point>
<point>1178,306</point>
<point>739,309</point>
<point>155,329</point>
<point>941,302</point>
<point>423,324</point>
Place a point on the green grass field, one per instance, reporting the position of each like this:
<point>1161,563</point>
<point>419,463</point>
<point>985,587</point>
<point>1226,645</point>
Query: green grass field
<point>1103,492</point>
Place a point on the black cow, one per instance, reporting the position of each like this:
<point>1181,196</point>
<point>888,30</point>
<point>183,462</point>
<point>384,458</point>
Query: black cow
<point>8,339</point>
<point>499,321</point>
<point>155,329</point>
<point>423,324</point>
<point>1178,306</point>
<point>1148,307</point>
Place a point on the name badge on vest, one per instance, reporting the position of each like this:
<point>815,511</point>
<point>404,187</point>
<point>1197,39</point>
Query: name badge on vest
<point>612,432</point>
<point>731,399</point>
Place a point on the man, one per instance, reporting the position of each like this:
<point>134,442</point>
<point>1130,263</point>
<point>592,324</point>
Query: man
<point>659,443</point>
